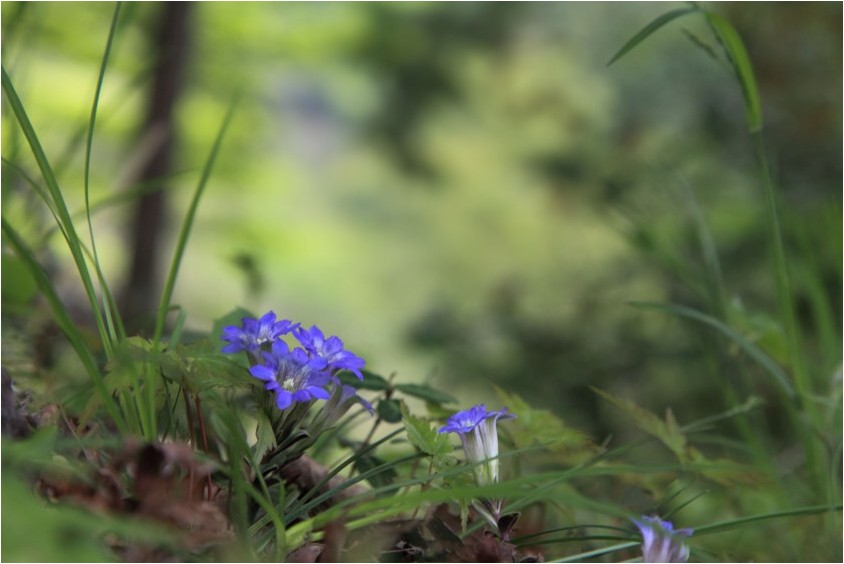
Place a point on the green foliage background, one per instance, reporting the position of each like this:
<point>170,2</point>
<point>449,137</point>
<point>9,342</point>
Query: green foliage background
<point>467,193</point>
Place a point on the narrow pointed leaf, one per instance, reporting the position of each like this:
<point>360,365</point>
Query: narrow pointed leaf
<point>427,393</point>
<point>734,46</point>
<point>187,225</point>
<point>649,29</point>
<point>771,367</point>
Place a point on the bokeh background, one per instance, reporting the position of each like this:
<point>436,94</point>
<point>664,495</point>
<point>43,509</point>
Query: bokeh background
<point>465,193</point>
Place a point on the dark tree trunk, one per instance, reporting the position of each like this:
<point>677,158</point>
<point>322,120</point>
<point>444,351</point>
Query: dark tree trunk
<point>140,294</point>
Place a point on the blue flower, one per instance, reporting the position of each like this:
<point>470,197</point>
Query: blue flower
<point>477,429</point>
<point>292,375</point>
<point>331,350</point>
<point>660,542</point>
<point>253,333</point>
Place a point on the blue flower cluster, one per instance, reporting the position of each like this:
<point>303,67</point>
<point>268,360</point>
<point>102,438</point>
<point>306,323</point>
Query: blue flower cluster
<point>298,375</point>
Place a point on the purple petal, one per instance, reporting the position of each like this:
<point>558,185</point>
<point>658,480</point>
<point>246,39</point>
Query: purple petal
<point>302,396</point>
<point>263,373</point>
<point>283,399</point>
<point>233,348</point>
<point>331,347</point>
<point>280,348</point>
<point>318,392</point>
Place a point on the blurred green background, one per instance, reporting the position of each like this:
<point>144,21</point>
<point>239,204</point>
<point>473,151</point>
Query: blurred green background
<point>465,193</point>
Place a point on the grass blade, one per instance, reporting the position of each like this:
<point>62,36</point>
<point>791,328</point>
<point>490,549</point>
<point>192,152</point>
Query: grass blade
<point>72,238</point>
<point>42,193</point>
<point>109,306</point>
<point>598,552</point>
<point>63,321</point>
<point>732,524</point>
<point>752,350</point>
<point>182,241</point>
<point>739,59</point>
<point>646,31</point>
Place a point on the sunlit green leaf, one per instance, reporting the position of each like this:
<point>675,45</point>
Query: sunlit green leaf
<point>423,435</point>
<point>534,427</point>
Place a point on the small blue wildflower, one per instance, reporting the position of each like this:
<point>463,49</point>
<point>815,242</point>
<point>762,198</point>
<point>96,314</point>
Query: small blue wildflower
<point>292,375</point>
<point>331,350</point>
<point>253,333</point>
<point>660,542</point>
<point>477,429</point>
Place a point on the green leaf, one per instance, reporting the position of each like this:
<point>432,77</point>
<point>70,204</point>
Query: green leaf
<point>264,435</point>
<point>57,204</point>
<point>729,472</point>
<point>389,410</point>
<point>649,29</point>
<point>19,286</point>
<point>371,381</point>
<point>423,436</point>
<point>668,431</point>
<point>368,462</point>
<point>200,367</point>
<point>540,427</point>
<point>739,59</point>
<point>425,392</point>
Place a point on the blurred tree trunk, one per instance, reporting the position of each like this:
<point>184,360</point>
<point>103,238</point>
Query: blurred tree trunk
<point>170,39</point>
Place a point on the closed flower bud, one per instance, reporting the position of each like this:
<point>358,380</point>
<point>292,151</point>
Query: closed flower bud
<point>660,542</point>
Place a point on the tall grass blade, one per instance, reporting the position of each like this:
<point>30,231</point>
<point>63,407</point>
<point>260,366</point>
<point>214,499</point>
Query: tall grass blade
<point>740,61</point>
<point>597,552</point>
<point>181,243</point>
<point>63,321</point>
<point>736,523</point>
<point>122,197</point>
<point>42,193</point>
<point>646,31</point>
<point>109,306</point>
<point>714,278</point>
<point>533,538</point>
<point>72,238</point>
<point>771,367</point>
